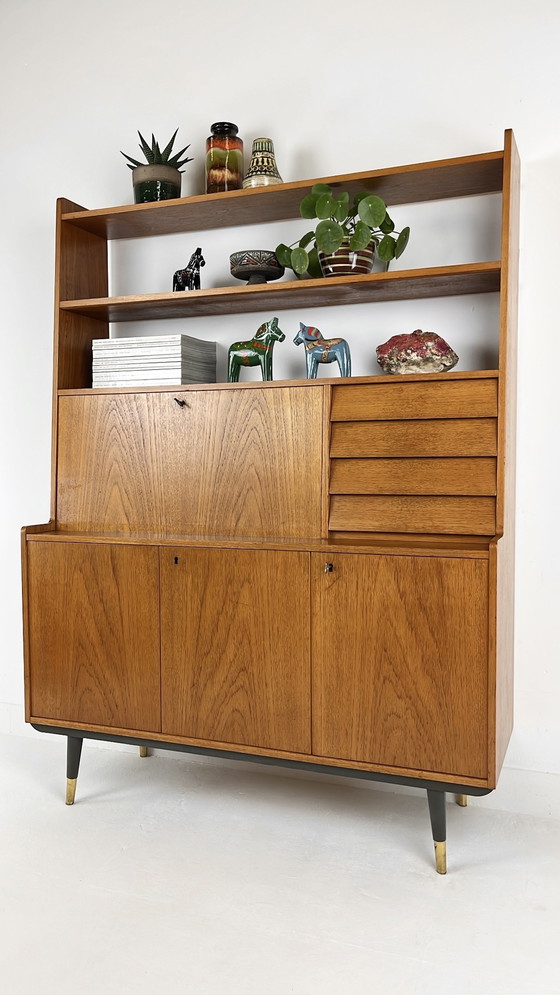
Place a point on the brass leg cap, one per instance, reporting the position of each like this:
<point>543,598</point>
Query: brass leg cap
<point>143,751</point>
<point>441,857</point>
<point>71,789</point>
<point>462,800</point>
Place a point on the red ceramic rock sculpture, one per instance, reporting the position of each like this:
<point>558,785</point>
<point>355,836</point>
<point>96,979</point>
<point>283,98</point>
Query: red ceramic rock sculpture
<point>418,352</point>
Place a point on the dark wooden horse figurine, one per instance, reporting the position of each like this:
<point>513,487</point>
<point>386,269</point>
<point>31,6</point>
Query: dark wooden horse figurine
<point>189,277</point>
<point>320,350</point>
<point>256,352</point>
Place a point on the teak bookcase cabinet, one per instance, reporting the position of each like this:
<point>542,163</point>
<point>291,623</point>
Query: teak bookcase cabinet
<point>317,574</point>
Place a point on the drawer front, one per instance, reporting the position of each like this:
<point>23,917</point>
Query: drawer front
<point>389,513</point>
<point>461,476</point>
<point>415,399</point>
<point>441,437</point>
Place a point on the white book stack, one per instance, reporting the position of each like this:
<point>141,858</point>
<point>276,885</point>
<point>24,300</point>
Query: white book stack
<point>153,361</point>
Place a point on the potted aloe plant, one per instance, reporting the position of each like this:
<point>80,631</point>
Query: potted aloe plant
<point>348,237</point>
<point>159,178</point>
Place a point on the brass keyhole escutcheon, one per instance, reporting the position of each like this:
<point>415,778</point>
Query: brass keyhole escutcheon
<point>328,568</point>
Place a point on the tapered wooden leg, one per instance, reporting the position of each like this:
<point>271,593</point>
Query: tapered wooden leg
<point>73,753</point>
<point>461,800</point>
<point>143,751</point>
<point>436,803</point>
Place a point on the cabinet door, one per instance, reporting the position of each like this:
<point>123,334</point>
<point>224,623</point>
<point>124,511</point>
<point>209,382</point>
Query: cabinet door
<point>220,462</point>
<point>94,634</point>
<point>235,647</point>
<point>400,661</point>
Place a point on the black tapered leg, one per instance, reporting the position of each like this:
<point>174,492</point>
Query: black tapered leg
<point>436,803</point>
<point>73,754</point>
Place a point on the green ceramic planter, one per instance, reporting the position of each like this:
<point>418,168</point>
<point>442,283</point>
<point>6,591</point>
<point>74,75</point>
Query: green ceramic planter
<point>155,182</point>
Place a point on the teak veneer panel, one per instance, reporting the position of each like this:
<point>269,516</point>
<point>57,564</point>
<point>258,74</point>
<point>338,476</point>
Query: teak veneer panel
<point>442,437</point>
<point>94,634</point>
<point>443,399</point>
<point>225,463</point>
<point>388,513</point>
<point>400,668</point>
<point>235,647</point>
<point>414,476</point>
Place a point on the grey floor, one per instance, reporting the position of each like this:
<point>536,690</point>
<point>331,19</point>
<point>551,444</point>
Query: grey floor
<point>171,875</point>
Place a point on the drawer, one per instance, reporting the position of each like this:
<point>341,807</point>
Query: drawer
<point>441,437</point>
<point>415,399</point>
<point>468,476</point>
<point>386,513</point>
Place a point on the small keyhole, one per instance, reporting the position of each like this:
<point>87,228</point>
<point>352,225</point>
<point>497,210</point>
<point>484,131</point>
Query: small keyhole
<point>329,568</point>
<point>181,402</point>
<point>175,559</point>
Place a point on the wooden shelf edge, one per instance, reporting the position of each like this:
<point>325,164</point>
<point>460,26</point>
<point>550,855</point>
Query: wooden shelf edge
<point>412,183</point>
<point>436,281</point>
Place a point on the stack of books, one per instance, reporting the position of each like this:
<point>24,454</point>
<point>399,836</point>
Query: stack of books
<point>154,360</point>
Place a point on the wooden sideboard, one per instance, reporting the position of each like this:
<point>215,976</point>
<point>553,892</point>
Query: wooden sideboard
<point>317,574</point>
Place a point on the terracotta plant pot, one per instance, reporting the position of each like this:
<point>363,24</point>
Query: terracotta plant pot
<point>346,261</point>
<point>155,182</point>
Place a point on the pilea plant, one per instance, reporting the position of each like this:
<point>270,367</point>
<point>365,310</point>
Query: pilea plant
<point>360,223</point>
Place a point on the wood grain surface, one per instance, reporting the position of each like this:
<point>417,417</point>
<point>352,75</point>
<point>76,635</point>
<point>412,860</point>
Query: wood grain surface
<point>224,463</point>
<point>400,661</point>
<point>94,652</point>
<point>401,399</point>
<point>403,513</point>
<point>413,476</point>
<point>235,647</point>
<point>442,437</point>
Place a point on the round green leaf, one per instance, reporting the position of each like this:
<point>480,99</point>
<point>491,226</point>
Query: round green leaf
<point>329,236</point>
<point>321,188</point>
<point>314,268</point>
<point>372,210</point>
<point>306,239</point>
<point>341,211</point>
<point>284,255</point>
<point>325,206</point>
<point>387,225</point>
<point>386,248</point>
<point>307,206</point>
<point>402,242</point>
<point>299,261</point>
<point>361,237</point>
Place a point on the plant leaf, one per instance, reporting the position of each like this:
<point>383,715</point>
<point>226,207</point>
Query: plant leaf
<point>130,159</point>
<point>387,225</point>
<point>319,188</point>
<point>341,210</point>
<point>329,236</point>
<point>300,260</point>
<point>313,267</point>
<point>284,255</point>
<point>307,206</point>
<point>325,206</point>
<point>167,150</point>
<point>372,210</point>
<point>145,148</point>
<point>402,242</point>
<point>306,239</point>
<point>386,248</point>
<point>361,237</point>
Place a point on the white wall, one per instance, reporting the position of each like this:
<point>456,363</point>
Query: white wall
<point>365,86</point>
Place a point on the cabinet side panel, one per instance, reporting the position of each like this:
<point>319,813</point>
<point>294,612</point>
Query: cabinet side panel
<point>400,665</point>
<point>94,634</point>
<point>235,647</point>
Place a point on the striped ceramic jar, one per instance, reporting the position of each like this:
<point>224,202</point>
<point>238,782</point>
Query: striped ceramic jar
<point>347,262</point>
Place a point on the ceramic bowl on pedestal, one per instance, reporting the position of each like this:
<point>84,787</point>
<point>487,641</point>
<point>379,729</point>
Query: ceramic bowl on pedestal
<point>255,266</point>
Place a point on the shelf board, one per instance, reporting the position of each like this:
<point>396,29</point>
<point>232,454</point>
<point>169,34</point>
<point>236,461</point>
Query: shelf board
<point>439,180</point>
<point>440,281</point>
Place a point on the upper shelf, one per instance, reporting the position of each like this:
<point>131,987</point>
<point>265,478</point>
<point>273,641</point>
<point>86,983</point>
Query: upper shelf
<point>439,180</point>
<point>440,281</point>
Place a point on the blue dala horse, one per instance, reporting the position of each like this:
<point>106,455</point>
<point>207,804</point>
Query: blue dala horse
<point>256,352</point>
<point>320,350</point>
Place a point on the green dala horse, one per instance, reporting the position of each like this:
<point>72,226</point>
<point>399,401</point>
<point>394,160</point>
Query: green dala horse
<point>256,352</point>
